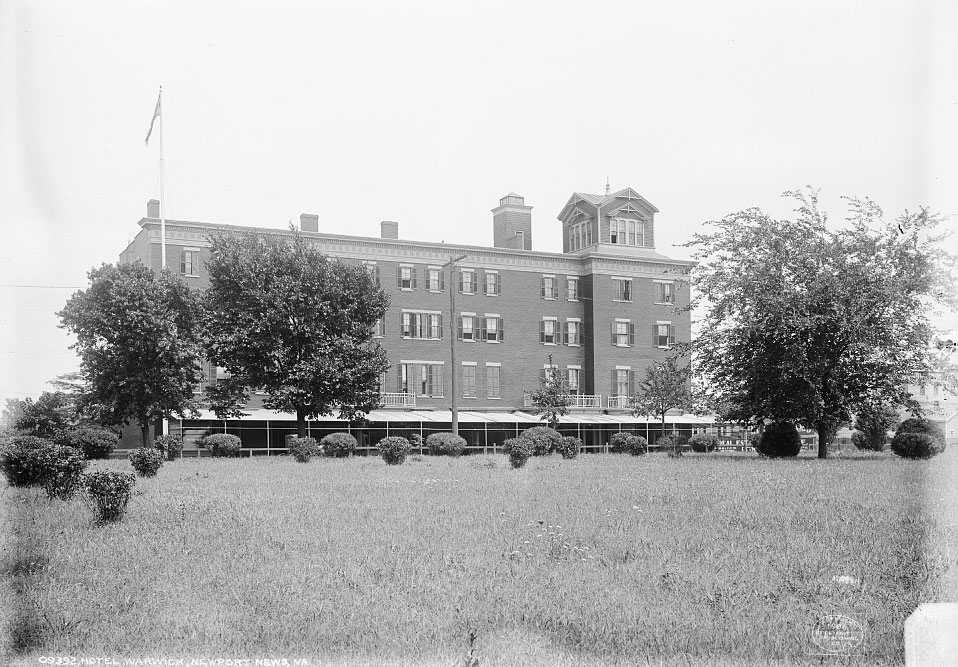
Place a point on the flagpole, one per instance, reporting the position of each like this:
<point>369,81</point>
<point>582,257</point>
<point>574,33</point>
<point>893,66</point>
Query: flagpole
<point>162,191</point>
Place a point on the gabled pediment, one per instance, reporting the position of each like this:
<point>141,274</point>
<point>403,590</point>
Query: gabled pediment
<point>616,201</point>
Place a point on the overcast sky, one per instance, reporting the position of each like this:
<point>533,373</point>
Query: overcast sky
<point>428,113</point>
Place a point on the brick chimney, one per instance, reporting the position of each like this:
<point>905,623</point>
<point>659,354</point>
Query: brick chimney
<point>308,222</point>
<point>153,209</point>
<point>509,218</point>
<point>389,229</point>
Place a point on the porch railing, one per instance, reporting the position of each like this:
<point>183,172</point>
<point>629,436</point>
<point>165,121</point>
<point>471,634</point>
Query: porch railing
<point>397,400</point>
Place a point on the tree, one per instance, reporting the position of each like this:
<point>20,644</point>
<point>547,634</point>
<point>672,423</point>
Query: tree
<point>552,398</point>
<point>138,341</point>
<point>51,413</point>
<point>12,411</point>
<point>804,322</point>
<point>285,319</point>
<point>874,421</point>
<point>665,387</point>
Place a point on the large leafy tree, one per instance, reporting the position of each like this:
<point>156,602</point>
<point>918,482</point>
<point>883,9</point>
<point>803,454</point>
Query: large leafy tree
<point>51,413</point>
<point>286,319</point>
<point>804,322</point>
<point>665,387</point>
<point>552,399</point>
<point>138,340</point>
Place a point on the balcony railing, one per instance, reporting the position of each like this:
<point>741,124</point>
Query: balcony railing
<point>576,401</point>
<point>618,403</point>
<point>397,400</point>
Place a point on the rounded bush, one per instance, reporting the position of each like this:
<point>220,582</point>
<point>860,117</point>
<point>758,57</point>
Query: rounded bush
<point>519,450</point>
<point>223,445</point>
<point>860,440</point>
<point>303,449</point>
<point>22,459</point>
<point>170,445</point>
<point>779,440</point>
<point>638,445</point>
<point>146,461</point>
<point>569,447</point>
<point>543,438</point>
<point>446,444</point>
<point>96,442</point>
<point>394,449</point>
<point>619,442</point>
<point>918,425</point>
<point>703,442</point>
<point>62,470</point>
<point>108,493</point>
<point>339,445</point>
<point>918,439</point>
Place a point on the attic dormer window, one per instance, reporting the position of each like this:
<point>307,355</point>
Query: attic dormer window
<point>623,231</point>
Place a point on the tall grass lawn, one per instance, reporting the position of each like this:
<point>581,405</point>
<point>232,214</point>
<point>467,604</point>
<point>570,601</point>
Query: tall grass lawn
<point>606,559</point>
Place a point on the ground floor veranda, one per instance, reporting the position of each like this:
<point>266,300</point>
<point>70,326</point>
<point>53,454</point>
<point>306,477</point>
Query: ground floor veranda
<point>264,432</point>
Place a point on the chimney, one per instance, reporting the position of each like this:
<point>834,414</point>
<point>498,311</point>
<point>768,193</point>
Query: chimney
<point>512,223</point>
<point>389,229</point>
<point>153,209</point>
<point>308,222</point>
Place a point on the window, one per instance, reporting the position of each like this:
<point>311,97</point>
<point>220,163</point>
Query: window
<point>623,333</point>
<point>549,288</point>
<point>622,289</point>
<point>492,380</point>
<point>547,331</point>
<point>467,281</point>
<point>421,325</point>
<point>373,269</point>
<point>573,335</point>
<point>574,372</point>
<point>490,286</point>
<point>663,334</point>
<point>468,379</point>
<point>491,329</point>
<point>580,236</point>
<point>622,382</point>
<point>423,378</point>
<point>436,281</point>
<point>190,262</point>
<point>627,232</point>
<point>467,327</point>
<point>664,292</point>
<point>379,328</point>
<point>406,277</point>
<point>572,288</point>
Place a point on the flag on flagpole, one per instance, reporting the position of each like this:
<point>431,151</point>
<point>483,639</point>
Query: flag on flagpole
<point>156,114</point>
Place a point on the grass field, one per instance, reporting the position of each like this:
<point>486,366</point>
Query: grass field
<point>707,559</point>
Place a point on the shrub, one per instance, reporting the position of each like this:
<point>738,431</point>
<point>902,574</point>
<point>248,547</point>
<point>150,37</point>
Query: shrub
<point>543,438</point>
<point>303,449</point>
<point>108,493</point>
<point>519,450</point>
<point>146,461</point>
<point>918,439</point>
<point>860,440</point>
<point>339,445</point>
<point>874,421</point>
<point>394,449</point>
<point>222,444</point>
<point>62,470</point>
<point>96,442</point>
<point>619,442</point>
<point>22,459</point>
<point>569,447</point>
<point>753,440</point>
<point>446,444</point>
<point>638,445</point>
<point>703,442</point>
<point>667,443</point>
<point>780,439</point>
<point>170,445</point>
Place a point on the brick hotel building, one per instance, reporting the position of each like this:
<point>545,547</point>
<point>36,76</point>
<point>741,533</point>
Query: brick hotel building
<point>604,308</point>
